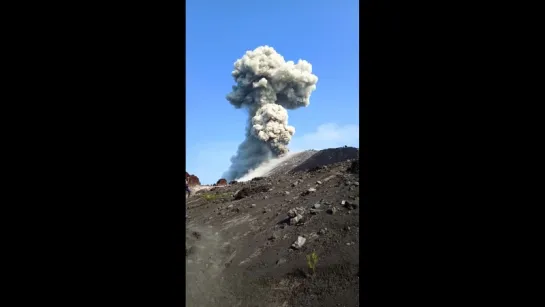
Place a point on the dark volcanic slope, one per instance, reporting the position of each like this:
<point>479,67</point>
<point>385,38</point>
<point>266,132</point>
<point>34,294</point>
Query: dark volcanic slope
<point>328,156</point>
<point>239,239</point>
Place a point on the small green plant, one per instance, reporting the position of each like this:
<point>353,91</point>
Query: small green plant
<point>312,259</point>
<point>209,196</point>
<point>212,196</point>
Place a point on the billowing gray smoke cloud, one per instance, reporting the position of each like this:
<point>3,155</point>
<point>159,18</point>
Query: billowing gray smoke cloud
<point>267,86</point>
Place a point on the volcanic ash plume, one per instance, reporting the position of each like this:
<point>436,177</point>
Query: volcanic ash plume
<point>266,86</point>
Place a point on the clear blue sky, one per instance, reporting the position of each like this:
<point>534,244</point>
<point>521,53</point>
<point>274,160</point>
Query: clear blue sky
<point>323,32</point>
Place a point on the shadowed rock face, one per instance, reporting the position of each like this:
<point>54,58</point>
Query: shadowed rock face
<point>221,182</point>
<point>193,180</point>
<point>355,167</point>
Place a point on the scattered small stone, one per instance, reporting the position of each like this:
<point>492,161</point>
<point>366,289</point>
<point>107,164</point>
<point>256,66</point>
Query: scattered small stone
<point>307,192</point>
<point>316,206</point>
<point>333,210</point>
<point>280,261</point>
<point>348,243</point>
<point>347,228</point>
<point>299,243</point>
<point>295,184</point>
<point>292,213</point>
<point>252,205</point>
<point>312,236</point>
<point>230,206</point>
<point>318,182</point>
<point>286,193</point>
<point>322,231</point>
<point>315,211</point>
<point>296,211</point>
<point>273,237</point>
<point>296,219</point>
<point>343,202</point>
<point>356,183</point>
<point>265,197</point>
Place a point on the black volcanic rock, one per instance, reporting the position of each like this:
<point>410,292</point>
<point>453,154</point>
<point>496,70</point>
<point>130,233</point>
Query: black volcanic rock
<point>354,167</point>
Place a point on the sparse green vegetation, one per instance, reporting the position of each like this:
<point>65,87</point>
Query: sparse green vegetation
<point>212,196</point>
<point>312,259</point>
